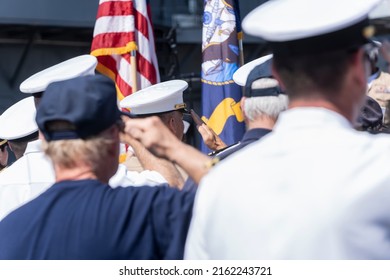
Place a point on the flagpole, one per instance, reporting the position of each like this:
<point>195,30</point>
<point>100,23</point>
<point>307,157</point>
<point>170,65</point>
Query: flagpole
<point>241,55</point>
<point>240,47</point>
<point>133,70</point>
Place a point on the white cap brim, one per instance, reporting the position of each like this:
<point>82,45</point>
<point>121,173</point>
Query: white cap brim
<point>381,11</point>
<point>286,20</point>
<point>158,98</point>
<point>75,67</point>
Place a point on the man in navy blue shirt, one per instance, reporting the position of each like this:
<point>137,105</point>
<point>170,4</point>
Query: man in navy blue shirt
<point>80,216</point>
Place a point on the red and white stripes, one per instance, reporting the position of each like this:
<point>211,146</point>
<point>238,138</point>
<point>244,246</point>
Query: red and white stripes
<point>122,26</point>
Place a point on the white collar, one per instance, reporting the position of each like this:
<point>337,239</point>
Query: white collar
<point>34,147</point>
<point>310,116</point>
<point>372,78</point>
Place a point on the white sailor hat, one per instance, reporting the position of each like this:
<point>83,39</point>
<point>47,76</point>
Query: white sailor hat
<point>310,27</point>
<point>158,98</point>
<point>75,67</point>
<point>18,121</point>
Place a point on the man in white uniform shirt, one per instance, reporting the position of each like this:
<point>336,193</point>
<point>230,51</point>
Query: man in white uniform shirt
<point>314,188</point>
<point>32,173</point>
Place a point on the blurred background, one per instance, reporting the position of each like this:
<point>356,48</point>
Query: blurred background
<point>35,34</point>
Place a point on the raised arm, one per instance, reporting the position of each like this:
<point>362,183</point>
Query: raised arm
<point>157,138</point>
<point>150,162</point>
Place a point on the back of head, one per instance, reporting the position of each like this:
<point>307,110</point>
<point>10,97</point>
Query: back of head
<point>312,41</point>
<point>78,119</point>
<point>270,106</point>
<point>264,97</point>
<point>323,73</point>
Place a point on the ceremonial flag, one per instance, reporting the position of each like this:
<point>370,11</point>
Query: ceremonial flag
<point>123,27</point>
<point>221,56</point>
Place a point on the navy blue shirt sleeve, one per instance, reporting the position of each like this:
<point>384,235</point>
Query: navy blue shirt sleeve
<point>170,225</point>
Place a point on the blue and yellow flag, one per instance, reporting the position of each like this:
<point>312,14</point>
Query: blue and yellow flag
<point>220,53</point>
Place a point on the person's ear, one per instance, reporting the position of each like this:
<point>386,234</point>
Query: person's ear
<point>172,125</point>
<point>113,134</point>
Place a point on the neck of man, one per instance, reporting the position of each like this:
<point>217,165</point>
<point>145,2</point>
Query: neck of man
<point>264,122</point>
<point>74,174</point>
<point>346,108</point>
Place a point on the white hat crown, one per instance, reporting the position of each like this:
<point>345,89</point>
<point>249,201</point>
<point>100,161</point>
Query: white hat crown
<point>18,121</point>
<point>75,67</point>
<point>158,98</point>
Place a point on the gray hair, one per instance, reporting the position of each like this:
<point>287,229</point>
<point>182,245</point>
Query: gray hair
<point>270,106</point>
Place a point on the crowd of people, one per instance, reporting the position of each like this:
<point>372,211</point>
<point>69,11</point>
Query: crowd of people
<point>308,180</point>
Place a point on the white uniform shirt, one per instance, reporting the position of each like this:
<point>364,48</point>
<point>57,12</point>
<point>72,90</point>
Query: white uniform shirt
<point>314,188</point>
<point>25,179</point>
<point>126,178</point>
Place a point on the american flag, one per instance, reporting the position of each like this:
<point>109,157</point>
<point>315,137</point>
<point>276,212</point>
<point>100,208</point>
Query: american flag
<point>123,26</point>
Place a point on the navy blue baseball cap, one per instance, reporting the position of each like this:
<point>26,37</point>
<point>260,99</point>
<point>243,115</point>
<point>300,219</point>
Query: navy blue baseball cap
<point>88,104</point>
<point>262,71</point>
<point>256,77</point>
